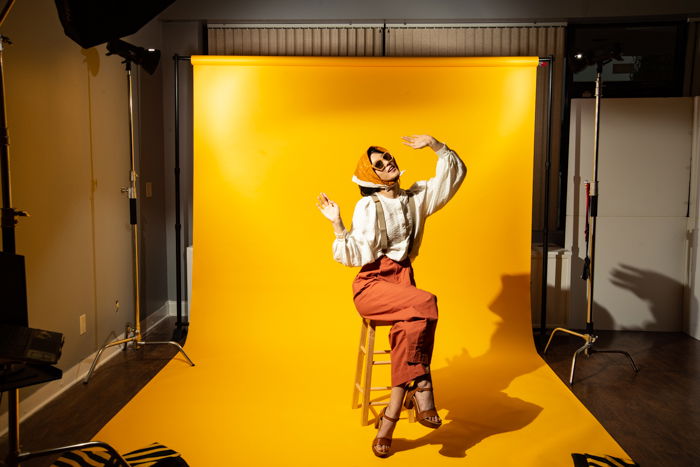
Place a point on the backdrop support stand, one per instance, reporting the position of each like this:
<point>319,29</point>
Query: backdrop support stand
<point>548,62</point>
<point>182,323</point>
<point>133,334</point>
<point>589,337</point>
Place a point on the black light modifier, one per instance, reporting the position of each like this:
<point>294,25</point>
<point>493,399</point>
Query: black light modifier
<point>90,22</point>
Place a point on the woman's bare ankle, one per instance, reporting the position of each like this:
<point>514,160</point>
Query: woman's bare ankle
<point>393,412</point>
<point>424,381</point>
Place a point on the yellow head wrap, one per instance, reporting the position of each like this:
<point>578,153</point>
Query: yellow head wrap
<point>365,174</point>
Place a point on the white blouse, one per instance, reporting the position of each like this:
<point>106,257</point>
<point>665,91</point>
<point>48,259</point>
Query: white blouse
<point>361,244</point>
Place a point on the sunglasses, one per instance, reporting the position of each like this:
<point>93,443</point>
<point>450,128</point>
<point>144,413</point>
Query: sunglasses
<point>380,164</point>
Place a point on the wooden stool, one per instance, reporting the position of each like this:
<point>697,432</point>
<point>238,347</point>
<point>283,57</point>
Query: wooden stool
<point>365,358</point>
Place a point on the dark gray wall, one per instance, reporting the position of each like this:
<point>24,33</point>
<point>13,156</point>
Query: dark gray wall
<point>421,10</point>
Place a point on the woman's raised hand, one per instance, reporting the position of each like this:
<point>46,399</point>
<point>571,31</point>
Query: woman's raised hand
<point>421,141</point>
<point>328,208</point>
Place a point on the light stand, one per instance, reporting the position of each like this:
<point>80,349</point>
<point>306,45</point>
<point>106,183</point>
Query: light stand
<point>599,58</point>
<point>147,59</point>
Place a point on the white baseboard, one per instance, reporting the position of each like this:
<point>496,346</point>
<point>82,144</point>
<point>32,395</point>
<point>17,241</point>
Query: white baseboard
<point>77,372</point>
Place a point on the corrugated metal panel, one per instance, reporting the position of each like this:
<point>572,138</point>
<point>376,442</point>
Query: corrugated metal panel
<point>308,41</point>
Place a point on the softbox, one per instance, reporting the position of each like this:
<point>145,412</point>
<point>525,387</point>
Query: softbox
<point>90,22</point>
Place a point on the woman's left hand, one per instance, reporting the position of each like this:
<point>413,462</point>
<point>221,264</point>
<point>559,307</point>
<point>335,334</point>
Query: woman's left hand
<point>421,141</point>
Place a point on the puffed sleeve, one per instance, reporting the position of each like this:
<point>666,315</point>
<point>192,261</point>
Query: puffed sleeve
<point>360,244</point>
<point>449,175</point>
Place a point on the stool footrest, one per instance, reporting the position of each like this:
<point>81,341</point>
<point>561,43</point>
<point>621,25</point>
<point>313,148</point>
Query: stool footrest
<point>373,388</point>
<point>363,349</point>
<point>384,362</point>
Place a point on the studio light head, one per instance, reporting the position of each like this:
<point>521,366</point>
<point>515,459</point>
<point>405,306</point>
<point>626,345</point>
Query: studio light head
<point>147,58</point>
<point>580,59</point>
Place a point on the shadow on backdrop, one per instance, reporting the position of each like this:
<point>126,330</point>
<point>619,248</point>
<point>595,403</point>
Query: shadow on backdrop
<point>471,389</point>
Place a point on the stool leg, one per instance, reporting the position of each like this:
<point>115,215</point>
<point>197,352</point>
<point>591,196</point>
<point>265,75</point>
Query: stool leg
<point>368,375</point>
<point>361,352</point>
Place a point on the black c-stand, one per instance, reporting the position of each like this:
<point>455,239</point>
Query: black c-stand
<point>599,58</point>
<point>133,335</point>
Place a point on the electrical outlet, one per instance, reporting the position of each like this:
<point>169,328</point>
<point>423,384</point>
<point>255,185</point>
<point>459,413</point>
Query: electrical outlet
<point>149,189</point>
<point>83,324</point>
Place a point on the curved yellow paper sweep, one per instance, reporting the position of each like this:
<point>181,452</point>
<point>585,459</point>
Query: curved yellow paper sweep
<point>274,331</point>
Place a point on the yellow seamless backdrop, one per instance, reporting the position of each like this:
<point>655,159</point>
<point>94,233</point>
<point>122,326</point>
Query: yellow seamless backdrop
<point>270,134</point>
<point>274,330</point>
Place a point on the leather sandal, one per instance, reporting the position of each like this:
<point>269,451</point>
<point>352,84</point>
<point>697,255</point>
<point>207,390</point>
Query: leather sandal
<point>382,441</point>
<point>412,402</point>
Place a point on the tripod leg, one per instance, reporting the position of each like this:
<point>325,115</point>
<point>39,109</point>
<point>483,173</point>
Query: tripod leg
<point>549,341</point>
<point>562,330</point>
<point>636,370</point>
<point>94,363</point>
<point>99,353</point>
<point>573,362</point>
<point>180,349</point>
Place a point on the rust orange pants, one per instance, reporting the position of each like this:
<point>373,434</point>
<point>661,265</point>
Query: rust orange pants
<point>385,290</point>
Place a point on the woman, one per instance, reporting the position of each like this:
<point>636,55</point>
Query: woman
<point>387,228</point>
